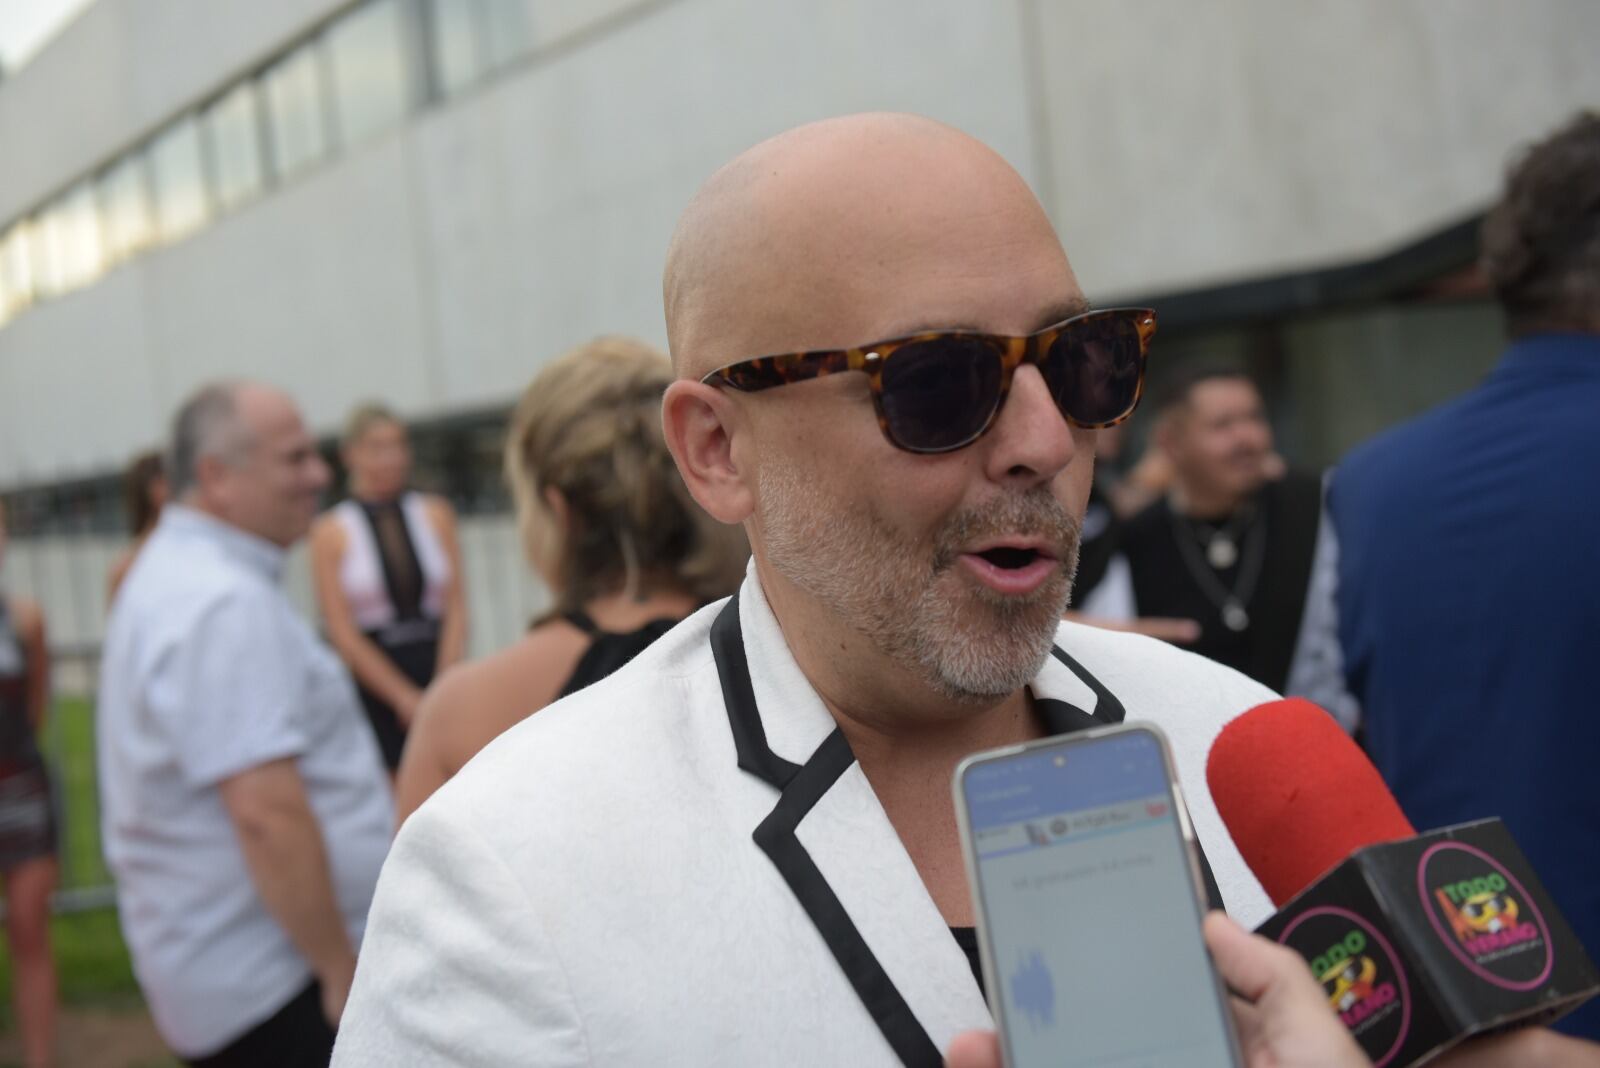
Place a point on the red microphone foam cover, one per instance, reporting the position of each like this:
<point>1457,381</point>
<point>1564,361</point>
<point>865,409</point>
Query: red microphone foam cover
<point>1297,794</point>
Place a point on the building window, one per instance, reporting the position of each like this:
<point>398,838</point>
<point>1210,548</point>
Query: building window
<point>45,246</point>
<point>471,38</point>
<point>371,90</point>
<point>235,142</point>
<point>16,277</point>
<point>179,178</point>
<point>125,205</point>
<point>81,252</point>
<point>64,243</point>
<point>507,31</point>
<point>361,75</point>
<point>297,121</point>
<point>458,46</point>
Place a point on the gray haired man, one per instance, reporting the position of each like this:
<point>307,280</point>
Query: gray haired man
<point>245,808</point>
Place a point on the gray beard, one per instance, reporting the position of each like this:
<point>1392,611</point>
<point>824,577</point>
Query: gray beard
<point>968,648</point>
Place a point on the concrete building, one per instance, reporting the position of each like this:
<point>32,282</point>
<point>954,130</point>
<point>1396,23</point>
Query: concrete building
<point>424,200</point>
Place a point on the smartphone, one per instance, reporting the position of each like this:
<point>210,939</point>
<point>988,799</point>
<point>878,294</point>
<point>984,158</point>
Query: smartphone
<point>1088,895</point>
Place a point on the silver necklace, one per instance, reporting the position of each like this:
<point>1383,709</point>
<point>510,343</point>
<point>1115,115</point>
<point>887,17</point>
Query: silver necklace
<point>1228,602</point>
<point>1222,543</point>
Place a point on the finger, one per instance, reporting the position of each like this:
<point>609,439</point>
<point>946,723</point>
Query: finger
<point>1177,631</point>
<point>1249,964</point>
<point>974,1049</point>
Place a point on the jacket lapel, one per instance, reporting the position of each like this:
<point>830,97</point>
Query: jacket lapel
<point>832,843</point>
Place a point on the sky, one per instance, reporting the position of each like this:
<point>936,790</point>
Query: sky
<point>25,25</point>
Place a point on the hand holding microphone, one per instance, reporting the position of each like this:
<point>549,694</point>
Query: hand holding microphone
<point>1418,940</point>
<point>1283,1019</point>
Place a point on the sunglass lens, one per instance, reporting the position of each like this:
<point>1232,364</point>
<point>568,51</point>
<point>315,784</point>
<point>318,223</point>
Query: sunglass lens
<point>939,394</point>
<point>1094,369</point>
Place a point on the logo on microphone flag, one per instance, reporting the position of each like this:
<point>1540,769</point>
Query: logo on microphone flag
<point>1361,974</point>
<point>1476,907</point>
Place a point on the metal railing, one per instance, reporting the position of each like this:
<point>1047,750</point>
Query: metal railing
<point>69,743</point>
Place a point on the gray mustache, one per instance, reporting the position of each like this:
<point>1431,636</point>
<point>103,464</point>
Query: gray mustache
<point>1036,515</point>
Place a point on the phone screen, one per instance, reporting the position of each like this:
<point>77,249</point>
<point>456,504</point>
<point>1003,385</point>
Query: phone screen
<point>1088,905</point>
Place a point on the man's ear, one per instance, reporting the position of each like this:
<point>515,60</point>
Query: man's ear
<point>699,422</point>
<point>210,477</point>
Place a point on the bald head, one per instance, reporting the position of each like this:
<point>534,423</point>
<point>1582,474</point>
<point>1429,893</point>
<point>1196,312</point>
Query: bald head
<point>852,229</point>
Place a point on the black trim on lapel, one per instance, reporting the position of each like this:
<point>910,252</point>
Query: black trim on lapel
<point>777,839</point>
<point>1063,717</point>
<point>739,698</point>
<point>801,787</point>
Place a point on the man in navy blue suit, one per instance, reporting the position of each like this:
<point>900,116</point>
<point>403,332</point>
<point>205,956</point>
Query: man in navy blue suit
<point>1469,577</point>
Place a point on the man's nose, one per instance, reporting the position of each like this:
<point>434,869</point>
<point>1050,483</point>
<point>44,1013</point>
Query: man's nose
<point>1030,442</point>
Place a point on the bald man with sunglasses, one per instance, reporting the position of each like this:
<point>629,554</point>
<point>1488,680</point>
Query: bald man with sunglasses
<point>741,849</point>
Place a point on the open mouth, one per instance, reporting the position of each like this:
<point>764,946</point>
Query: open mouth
<point>1009,557</point>
<point>1010,569</point>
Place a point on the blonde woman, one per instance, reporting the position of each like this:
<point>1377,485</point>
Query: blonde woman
<point>387,568</point>
<point>607,523</point>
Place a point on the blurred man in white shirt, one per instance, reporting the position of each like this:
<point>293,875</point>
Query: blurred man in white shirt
<point>245,809</point>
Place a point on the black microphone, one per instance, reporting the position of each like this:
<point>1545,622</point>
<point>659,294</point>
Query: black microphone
<point>1419,940</point>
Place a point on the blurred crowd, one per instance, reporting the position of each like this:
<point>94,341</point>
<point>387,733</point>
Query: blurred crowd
<point>253,770</point>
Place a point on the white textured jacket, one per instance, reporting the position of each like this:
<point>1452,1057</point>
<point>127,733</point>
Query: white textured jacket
<point>684,865</point>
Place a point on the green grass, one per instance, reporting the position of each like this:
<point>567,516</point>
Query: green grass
<point>69,746</point>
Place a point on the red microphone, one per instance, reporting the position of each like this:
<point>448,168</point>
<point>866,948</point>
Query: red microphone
<point>1418,940</point>
<point>1297,795</point>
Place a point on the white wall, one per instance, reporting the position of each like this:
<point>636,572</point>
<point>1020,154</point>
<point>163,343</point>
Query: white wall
<point>1193,142</point>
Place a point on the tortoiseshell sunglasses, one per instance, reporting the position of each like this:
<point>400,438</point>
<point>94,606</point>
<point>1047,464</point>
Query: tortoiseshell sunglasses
<point>938,392</point>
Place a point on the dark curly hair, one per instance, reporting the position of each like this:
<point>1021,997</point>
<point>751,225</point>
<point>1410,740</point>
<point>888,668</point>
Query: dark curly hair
<point>1541,242</point>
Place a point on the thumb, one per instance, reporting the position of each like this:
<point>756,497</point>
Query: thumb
<point>974,1049</point>
<point>1252,966</point>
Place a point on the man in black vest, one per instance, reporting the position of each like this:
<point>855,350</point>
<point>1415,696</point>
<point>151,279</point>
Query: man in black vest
<point>1238,545</point>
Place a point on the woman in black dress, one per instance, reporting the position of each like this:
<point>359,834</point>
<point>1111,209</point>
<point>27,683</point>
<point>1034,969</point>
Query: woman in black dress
<point>387,568</point>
